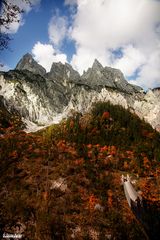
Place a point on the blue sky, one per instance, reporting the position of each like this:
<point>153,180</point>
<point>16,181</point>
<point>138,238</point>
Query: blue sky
<point>34,29</point>
<point>123,34</point>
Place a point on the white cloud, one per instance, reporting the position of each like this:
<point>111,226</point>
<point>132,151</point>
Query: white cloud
<point>131,60</point>
<point>57,29</point>
<point>85,57</point>
<point>149,75</point>
<point>45,55</point>
<point>103,25</point>
<point>113,23</point>
<point>13,27</point>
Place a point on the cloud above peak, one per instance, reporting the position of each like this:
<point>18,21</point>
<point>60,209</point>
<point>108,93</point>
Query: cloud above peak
<point>45,55</point>
<point>57,29</point>
<point>100,27</point>
<point>132,59</point>
<point>116,22</point>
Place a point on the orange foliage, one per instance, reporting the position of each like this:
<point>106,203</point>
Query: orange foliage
<point>112,150</point>
<point>125,165</point>
<point>61,145</point>
<point>92,201</point>
<point>37,150</point>
<point>146,162</point>
<point>79,161</point>
<point>110,198</point>
<point>45,195</point>
<point>97,145</point>
<point>72,150</point>
<point>89,146</point>
<point>83,194</point>
<point>71,125</point>
<point>13,154</point>
<point>150,190</point>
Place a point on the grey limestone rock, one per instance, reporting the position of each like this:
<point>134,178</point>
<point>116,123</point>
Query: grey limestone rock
<point>63,73</point>
<point>107,77</point>
<point>42,97</point>
<point>28,63</point>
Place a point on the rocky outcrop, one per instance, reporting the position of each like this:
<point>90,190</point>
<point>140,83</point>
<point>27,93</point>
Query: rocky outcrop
<point>149,108</point>
<point>108,77</point>
<point>28,63</point>
<point>44,98</point>
<point>63,73</point>
<point>32,96</point>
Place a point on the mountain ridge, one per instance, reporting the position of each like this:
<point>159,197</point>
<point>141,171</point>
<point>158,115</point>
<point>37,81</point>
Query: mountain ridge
<point>45,97</point>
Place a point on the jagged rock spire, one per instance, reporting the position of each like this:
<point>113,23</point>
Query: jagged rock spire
<point>61,72</point>
<point>97,65</point>
<point>28,63</point>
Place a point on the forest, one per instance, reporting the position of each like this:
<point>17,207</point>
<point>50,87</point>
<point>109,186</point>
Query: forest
<point>64,181</point>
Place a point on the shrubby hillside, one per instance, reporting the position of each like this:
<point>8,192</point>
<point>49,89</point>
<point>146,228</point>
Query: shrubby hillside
<point>64,182</point>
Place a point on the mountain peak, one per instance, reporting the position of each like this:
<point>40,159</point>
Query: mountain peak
<point>26,58</point>
<point>28,55</point>
<point>97,65</point>
<point>61,72</point>
<point>28,63</point>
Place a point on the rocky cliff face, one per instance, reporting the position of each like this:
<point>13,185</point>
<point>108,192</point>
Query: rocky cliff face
<point>43,98</point>
<point>149,108</point>
<point>107,77</point>
<point>28,63</point>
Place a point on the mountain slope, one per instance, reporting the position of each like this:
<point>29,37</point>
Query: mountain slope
<point>64,182</point>
<point>10,119</point>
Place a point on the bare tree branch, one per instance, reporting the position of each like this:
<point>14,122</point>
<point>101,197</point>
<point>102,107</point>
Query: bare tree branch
<point>9,14</point>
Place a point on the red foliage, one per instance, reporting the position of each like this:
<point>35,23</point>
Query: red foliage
<point>92,201</point>
<point>94,131</point>
<point>89,146</point>
<point>105,115</point>
<point>89,154</point>
<point>103,149</point>
<point>13,154</point>
<point>79,161</point>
